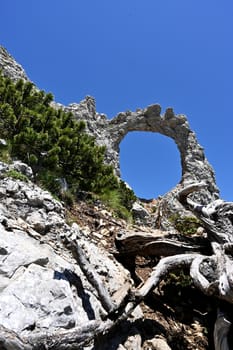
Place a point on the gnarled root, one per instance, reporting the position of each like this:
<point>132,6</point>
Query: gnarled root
<point>164,266</point>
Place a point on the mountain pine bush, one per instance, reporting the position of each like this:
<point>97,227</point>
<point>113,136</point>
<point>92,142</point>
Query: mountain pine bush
<point>52,142</point>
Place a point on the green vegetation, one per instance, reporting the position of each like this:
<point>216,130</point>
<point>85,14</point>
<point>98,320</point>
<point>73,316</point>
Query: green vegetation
<point>186,225</point>
<point>14,174</point>
<point>4,152</point>
<point>54,144</point>
<point>180,278</point>
<point>120,200</point>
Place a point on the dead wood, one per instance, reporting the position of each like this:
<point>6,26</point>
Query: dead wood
<point>164,266</point>
<point>72,339</point>
<point>159,243</point>
<point>9,340</point>
<point>92,277</point>
<point>211,272</point>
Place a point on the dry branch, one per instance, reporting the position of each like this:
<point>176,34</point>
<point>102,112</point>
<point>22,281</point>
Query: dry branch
<point>164,266</point>
<point>200,281</point>
<point>72,339</point>
<point>92,277</point>
<point>9,340</point>
<point>160,243</point>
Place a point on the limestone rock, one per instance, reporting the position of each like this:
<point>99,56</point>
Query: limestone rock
<point>110,133</point>
<point>22,168</point>
<point>140,214</point>
<point>36,292</point>
<point>10,67</point>
<point>158,344</point>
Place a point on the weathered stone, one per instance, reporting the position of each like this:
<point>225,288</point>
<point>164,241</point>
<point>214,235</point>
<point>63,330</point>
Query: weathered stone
<point>36,299</point>
<point>22,168</point>
<point>38,221</point>
<point>12,186</point>
<point>110,133</point>
<point>10,67</point>
<point>3,168</point>
<point>35,291</point>
<point>140,214</point>
<point>157,343</point>
<point>134,342</point>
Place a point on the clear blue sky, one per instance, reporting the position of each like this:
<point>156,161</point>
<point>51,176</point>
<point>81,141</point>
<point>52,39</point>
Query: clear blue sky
<point>129,54</point>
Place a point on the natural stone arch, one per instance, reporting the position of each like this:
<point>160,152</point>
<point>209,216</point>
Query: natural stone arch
<point>149,163</point>
<point>194,164</point>
<point>110,132</point>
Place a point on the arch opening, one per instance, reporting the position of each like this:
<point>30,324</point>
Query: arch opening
<point>149,163</point>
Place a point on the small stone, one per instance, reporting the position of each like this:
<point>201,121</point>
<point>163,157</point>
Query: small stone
<point>12,186</point>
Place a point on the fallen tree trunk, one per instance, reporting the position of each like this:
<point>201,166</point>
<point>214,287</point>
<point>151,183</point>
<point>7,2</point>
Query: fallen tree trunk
<point>159,243</point>
<point>72,339</point>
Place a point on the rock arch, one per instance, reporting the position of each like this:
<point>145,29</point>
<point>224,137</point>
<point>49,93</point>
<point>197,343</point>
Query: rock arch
<point>110,132</point>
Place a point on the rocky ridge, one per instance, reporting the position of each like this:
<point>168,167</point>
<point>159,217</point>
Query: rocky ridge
<point>10,67</point>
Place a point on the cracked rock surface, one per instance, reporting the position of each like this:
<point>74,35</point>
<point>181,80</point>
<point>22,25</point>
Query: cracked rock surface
<point>35,290</point>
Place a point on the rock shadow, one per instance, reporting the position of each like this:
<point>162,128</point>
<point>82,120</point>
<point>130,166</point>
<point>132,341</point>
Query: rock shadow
<point>76,281</point>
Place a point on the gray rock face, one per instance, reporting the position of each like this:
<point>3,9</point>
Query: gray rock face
<point>36,293</point>
<point>10,67</point>
<point>140,214</point>
<point>22,168</point>
<point>110,133</point>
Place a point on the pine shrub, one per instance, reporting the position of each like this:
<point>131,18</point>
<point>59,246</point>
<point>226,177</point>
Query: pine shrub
<point>54,144</point>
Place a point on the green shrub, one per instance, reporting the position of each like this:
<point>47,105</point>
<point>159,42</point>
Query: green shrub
<point>14,174</point>
<point>5,154</point>
<point>180,279</point>
<point>186,225</point>
<point>55,144</point>
<point>68,198</point>
<point>127,195</point>
<point>112,200</point>
<point>48,180</point>
<point>47,138</point>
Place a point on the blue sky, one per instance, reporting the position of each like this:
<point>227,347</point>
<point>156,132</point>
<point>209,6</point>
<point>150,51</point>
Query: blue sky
<point>129,54</point>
